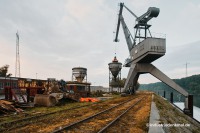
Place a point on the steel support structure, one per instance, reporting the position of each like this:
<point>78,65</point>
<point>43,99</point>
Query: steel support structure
<point>140,68</point>
<point>111,80</point>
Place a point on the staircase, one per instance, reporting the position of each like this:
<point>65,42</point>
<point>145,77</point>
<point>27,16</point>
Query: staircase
<point>18,95</point>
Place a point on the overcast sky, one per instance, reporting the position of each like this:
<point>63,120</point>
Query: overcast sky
<point>57,35</point>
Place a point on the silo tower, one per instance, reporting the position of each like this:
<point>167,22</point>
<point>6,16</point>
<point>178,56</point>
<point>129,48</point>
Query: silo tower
<point>79,74</point>
<point>79,87</point>
<point>114,74</point>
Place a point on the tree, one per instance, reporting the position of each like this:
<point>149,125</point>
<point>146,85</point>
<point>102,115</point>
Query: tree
<point>4,71</point>
<point>117,83</point>
<point>121,83</point>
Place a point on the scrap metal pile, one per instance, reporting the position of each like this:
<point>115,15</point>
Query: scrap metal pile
<point>50,97</point>
<point>6,107</point>
<point>55,91</point>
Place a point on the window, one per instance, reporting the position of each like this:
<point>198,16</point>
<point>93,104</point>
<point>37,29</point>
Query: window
<point>1,86</point>
<point>14,84</point>
<point>81,88</point>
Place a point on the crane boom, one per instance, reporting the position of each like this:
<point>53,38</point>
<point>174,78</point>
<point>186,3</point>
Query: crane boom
<point>125,29</point>
<point>127,34</point>
<point>141,25</point>
<point>118,22</point>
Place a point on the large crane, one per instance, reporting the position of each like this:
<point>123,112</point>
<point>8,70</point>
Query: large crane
<point>147,50</point>
<point>141,25</point>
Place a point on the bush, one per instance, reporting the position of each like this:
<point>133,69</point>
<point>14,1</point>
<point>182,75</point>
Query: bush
<point>98,93</point>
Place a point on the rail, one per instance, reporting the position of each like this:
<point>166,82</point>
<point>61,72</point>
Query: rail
<point>7,124</point>
<point>97,114</point>
<point>117,118</point>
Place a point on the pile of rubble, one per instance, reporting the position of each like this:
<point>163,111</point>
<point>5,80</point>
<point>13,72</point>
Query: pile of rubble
<point>7,107</point>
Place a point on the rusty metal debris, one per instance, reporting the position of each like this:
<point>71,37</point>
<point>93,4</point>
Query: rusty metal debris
<point>51,96</point>
<point>6,107</point>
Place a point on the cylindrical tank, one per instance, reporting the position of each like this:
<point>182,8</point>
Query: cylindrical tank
<point>115,67</point>
<point>79,73</point>
<point>45,100</point>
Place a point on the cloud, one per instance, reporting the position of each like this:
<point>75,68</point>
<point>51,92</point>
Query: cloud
<point>56,36</point>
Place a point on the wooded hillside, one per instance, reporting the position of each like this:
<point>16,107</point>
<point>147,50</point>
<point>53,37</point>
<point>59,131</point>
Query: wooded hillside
<point>190,84</point>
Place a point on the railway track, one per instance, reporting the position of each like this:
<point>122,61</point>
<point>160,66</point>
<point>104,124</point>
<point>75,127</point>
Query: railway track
<point>28,120</point>
<point>16,124</point>
<point>108,117</point>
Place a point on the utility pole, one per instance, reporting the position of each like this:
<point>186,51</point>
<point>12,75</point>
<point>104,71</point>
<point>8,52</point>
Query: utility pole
<point>17,63</point>
<point>186,65</point>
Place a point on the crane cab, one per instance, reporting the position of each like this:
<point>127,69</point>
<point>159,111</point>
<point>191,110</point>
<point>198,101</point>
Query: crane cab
<point>148,50</point>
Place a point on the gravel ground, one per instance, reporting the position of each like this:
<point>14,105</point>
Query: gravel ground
<point>174,119</point>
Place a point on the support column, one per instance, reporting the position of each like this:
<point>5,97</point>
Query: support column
<point>164,94</point>
<point>130,78</point>
<point>10,94</point>
<point>6,92</point>
<point>171,97</point>
<point>189,106</point>
<point>28,94</point>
